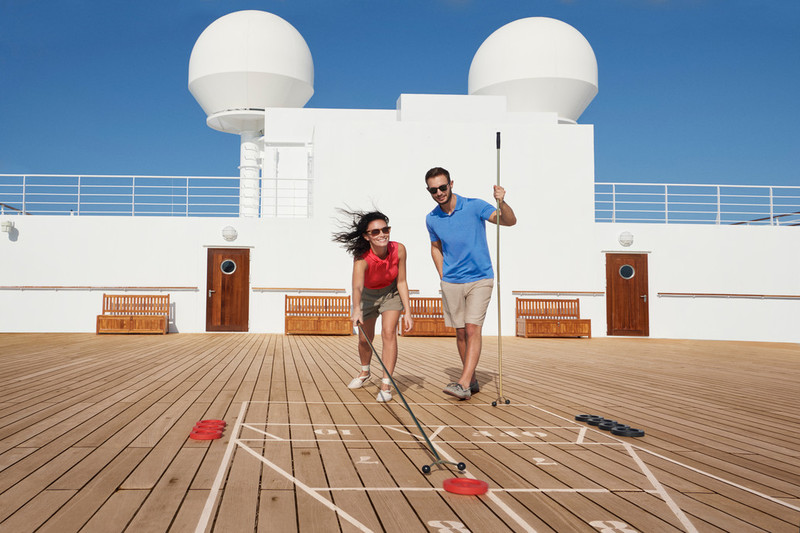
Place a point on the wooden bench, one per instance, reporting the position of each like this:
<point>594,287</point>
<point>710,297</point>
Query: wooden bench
<point>318,315</point>
<point>551,318</point>
<point>428,319</point>
<point>128,313</point>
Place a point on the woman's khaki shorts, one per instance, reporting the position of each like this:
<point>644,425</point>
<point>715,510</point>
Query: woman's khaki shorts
<point>466,303</point>
<point>375,301</point>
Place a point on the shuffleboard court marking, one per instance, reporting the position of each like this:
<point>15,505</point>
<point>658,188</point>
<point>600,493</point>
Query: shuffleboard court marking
<point>688,467</point>
<point>308,490</point>
<point>211,501</point>
<point>662,492</point>
<point>493,494</point>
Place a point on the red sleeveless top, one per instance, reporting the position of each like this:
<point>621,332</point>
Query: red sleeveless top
<point>381,272</point>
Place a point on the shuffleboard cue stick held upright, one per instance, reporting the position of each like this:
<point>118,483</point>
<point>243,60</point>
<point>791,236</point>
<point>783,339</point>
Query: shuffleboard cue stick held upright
<point>500,397</point>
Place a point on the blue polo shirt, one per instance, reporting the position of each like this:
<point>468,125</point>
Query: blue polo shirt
<point>463,237</point>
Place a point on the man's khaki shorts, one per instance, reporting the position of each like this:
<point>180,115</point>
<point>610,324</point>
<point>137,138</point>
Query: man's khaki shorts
<point>466,303</point>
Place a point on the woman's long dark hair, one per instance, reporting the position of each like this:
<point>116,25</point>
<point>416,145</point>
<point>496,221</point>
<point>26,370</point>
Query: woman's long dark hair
<point>352,235</point>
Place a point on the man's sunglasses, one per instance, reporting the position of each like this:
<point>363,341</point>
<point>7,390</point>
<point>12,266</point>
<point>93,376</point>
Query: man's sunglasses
<point>442,188</point>
<point>375,232</point>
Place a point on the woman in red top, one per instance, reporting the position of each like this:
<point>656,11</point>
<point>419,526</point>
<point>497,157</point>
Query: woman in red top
<point>379,288</point>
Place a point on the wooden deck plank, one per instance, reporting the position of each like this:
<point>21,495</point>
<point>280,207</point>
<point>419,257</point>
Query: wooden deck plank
<point>80,508</point>
<point>116,512</point>
<point>93,443</point>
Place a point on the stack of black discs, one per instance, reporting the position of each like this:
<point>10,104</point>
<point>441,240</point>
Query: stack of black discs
<point>606,424</point>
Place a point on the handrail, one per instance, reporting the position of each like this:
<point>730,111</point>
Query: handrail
<point>297,289</point>
<point>671,203</point>
<point>587,293</point>
<point>157,195</point>
<point>728,295</point>
<point>90,288</point>
<point>3,207</point>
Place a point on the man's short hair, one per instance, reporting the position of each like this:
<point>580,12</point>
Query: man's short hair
<point>437,171</point>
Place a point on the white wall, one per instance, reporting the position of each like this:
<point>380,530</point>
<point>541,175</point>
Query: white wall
<point>365,158</point>
<point>716,260</point>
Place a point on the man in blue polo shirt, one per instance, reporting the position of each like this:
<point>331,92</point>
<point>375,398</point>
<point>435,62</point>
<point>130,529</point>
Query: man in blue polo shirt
<point>457,227</point>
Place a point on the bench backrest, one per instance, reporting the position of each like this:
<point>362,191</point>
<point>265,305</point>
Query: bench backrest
<point>426,307</point>
<point>318,306</point>
<point>546,308</point>
<point>136,304</point>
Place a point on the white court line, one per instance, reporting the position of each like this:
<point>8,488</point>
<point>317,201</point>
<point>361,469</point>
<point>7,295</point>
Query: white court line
<point>403,426</point>
<point>693,469</point>
<point>581,435</point>
<point>434,489</point>
<point>308,490</point>
<point>420,439</point>
<point>205,516</point>
<point>662,492</point>
<point>270,435</point>
<point>493,497</point>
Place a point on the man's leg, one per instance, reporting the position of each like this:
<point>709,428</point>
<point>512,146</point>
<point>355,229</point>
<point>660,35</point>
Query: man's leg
<point>464,344</point>
<point>473,343</point>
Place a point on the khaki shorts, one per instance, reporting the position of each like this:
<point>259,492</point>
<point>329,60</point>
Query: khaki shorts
<point>375,301</point>
<point>466,303</point>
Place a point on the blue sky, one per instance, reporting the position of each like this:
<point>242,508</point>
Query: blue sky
<point>691,91</point>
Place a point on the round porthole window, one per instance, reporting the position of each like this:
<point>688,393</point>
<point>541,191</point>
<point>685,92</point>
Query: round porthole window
<point>228,267</point>
<point>626,271</point>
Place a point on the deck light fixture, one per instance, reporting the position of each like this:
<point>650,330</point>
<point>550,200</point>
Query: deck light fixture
<point>229,233</point>
<point>7,226</point>
<point>626,238</point>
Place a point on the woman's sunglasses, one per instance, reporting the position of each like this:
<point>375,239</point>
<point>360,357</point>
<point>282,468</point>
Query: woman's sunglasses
<point>375,232</point>
<point>442,188</point>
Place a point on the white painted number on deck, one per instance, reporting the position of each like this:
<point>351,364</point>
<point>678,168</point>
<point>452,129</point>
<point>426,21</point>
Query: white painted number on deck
<point>365,460</point>
<point>332,431</point>
<point>448,526</point>
<point>612,526</point>
<point>541,461</point>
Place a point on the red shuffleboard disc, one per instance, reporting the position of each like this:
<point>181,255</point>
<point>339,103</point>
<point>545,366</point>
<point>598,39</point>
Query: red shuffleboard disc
<point>211,423</point>
<point>205,434</point>
<point>471,487</point>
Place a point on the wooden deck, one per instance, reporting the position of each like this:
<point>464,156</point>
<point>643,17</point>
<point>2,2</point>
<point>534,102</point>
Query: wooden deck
<point>94,436</point>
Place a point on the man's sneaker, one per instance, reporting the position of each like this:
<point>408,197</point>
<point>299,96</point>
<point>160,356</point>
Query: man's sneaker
<point>474,388</point>
<point>455,389</point>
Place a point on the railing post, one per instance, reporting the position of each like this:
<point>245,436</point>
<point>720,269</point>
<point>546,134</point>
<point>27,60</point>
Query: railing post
<point>719,207</point>
<point>79,196</point>
<point>666,204</point>
<point>771,211</point>
<point>24,193</point>
<point>613,202</point>
<point>133,196</point>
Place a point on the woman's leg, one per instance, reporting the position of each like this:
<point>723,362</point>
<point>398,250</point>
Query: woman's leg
<point>389,320</point>
<point>364,351</point>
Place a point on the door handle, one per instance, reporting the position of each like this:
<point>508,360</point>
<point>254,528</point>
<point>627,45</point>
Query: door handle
<point>644,297</point>
<point>209,292</point>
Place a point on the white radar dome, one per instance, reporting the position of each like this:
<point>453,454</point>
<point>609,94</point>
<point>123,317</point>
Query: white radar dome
<point>539,64</point>
<point>246,62</point>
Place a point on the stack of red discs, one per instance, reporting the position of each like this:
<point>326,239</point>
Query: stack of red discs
<point>207,430</point>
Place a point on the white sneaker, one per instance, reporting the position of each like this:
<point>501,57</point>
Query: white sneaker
<point>358,382</point>
<point>384,395</point>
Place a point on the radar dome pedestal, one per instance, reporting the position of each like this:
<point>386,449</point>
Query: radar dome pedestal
<point>539,64</point>
<point>242,64</point>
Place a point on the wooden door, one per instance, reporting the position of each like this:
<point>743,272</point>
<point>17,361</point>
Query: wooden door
<point>626,295</point>
<point>228,289</point>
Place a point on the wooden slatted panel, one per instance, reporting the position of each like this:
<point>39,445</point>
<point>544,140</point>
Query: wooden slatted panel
<point>548,308</point>
<point>136,304</point>
<point>325,306</point>
<point>426,307</point>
